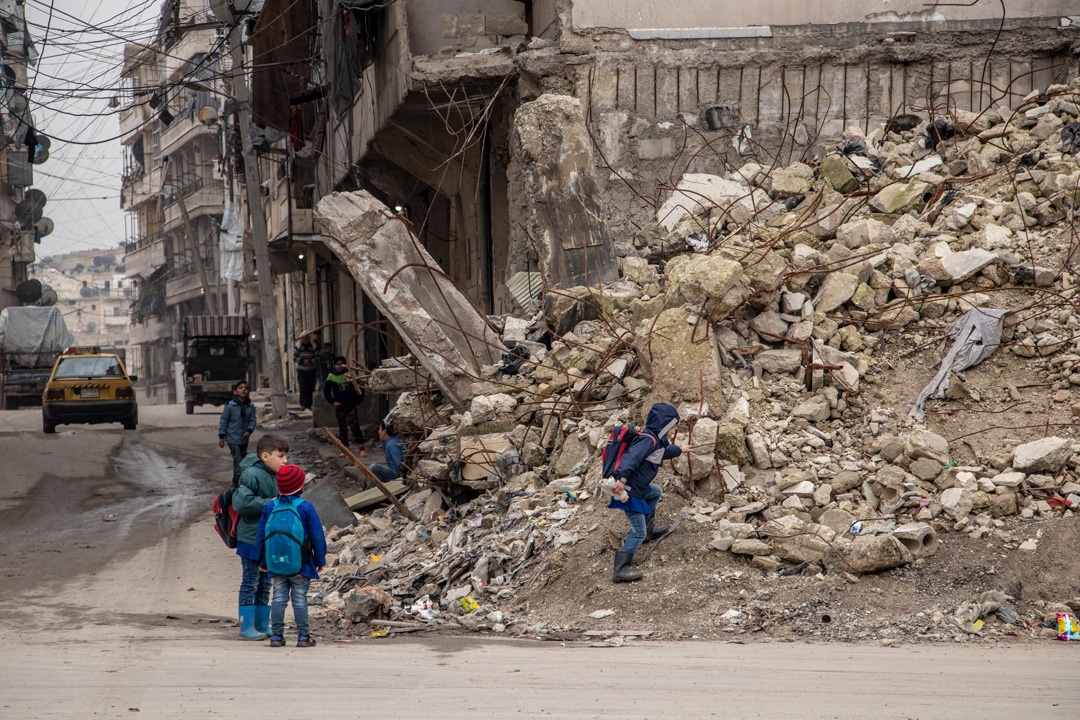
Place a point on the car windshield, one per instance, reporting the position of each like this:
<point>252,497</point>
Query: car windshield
<point>81,367</point>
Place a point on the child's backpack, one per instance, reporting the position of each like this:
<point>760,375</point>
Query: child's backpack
<point>284,538</point>
<point>225,518</point>
<point>612,454</point>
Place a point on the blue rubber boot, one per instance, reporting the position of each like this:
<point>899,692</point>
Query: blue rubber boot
<point>262,619</point>
<point>247,624</point>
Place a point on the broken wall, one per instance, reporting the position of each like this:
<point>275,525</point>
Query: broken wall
<point>658,109</point>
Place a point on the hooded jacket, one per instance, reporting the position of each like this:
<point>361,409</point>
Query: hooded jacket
<point>258,486</point>
<point>649,449</point>
<point>236,419</point>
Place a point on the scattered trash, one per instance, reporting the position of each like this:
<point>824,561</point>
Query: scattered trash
<point>380,631</point>
<point>468,604</point>
<point>424,609</point>
<point>601,614</point>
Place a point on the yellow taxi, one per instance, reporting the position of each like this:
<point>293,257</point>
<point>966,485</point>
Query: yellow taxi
<point>89,386</point>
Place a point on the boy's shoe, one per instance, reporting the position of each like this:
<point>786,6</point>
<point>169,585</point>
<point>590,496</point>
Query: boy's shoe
<point>363,452</point>
<point>277,641</point>
<point>305,641</point>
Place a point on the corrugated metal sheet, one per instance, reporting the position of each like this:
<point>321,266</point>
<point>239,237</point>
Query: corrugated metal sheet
<point>207,325</point>
<point>525,288</point>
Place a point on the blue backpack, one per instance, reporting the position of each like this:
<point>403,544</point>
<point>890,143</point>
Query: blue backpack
<point>621,438</point>
<point>284,543</point>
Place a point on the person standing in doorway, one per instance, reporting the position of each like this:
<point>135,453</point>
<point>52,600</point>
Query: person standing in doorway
<point>343,392</point>
<point>325,361</point>
<point>304,357</point>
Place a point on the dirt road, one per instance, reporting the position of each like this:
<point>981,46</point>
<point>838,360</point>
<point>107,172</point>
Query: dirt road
<point>140,625</point>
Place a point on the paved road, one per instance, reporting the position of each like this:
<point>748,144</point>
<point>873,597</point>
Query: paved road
<point>134,619</point>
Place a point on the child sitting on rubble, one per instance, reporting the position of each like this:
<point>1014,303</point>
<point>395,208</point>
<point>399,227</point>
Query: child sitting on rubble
<point>394,451</point>
<point>637,469</point>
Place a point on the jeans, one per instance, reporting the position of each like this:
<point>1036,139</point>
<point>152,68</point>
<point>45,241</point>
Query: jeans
<point>254,584</point>
<point>239,452</point>
<point>637,520</point>
<point>295,586</point>
<point>383,472</point>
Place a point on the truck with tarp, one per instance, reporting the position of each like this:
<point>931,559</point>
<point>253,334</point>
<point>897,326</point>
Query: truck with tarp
<point>31,338</point>
<point>216,357</point>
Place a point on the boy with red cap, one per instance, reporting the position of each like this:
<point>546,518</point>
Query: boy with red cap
<point>290,483</point>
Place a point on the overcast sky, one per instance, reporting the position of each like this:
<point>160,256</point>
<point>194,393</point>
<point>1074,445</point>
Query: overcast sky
<point>81,46</point>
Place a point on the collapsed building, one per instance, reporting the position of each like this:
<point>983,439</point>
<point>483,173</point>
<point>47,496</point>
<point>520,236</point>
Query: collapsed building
<point>526,222</point>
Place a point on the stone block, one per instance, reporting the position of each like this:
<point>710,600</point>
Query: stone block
<point>459,26</point>
<point>901,197</point>
<point>836,173</point>
<point>1045,455</point>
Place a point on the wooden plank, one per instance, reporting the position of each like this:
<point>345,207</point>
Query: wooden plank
<point>373,496</point>
<point>371,476</point>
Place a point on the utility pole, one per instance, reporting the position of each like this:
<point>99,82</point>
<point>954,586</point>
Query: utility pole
<point>258,228</point>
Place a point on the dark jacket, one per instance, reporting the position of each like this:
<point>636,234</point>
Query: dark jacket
<point>236,419</point>
<point>313,531</point>
<point>258,486</point>
<point>341,389</point>
<point>649,449</point>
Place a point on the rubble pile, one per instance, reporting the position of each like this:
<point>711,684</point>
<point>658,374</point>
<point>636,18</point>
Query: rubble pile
<point>759,304</point>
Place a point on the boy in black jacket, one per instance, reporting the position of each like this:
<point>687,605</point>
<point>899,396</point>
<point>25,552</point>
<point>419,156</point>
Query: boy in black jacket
<point>342,392</point>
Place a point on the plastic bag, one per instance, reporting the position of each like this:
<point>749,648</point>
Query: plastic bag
<point>1068,630</point>
<point>608,486</point>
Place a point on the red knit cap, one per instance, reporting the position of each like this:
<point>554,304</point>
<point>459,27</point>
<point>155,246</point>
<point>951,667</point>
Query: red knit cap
<point>290,479</point>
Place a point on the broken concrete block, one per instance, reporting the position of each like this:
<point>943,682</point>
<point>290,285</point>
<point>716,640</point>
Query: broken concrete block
<point>680,359</point>
<point>714,283</point>
<point>801,548</point>
<point>759,451</point>
<point>776,362</point>
<point>438,323</point>
<point>901,197</point>
<point>957,502</point>
<point>919,538</point>
<point>787,183</point>
<point>866,231</point>
<point>867,554</point>
<point>751,546</point>
<point>731,443</point>
<point>836,290</point>
<point>922,443</point>
<point>1046,455</point>
<point>769,324</point>
<point>962,265</point>
<point>554,205</point>
<point>573,454</point>
<point>697,192</point>
<point>814,409</point>
<point>836,173</point>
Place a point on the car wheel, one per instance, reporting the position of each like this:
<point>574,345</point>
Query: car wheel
<point>49,428</point>
<point>189,407</point>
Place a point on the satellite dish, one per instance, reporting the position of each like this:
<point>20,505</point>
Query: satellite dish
<point>28,292</point>
<point>27,213</point>
<point>35,197</point>
<point>208,115</point>
<point>44,227</point>
<point>48,297</point>
<point>41,151</point>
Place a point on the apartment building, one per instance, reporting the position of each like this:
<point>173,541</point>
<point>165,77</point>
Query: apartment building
<point>19,223</point>
<point>93,294</point>
<point>173,188</point>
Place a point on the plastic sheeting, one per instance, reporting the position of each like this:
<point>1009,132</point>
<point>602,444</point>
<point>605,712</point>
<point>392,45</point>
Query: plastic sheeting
<point>232,241</point>
<point>978,334</point>
<point>33,336</point>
